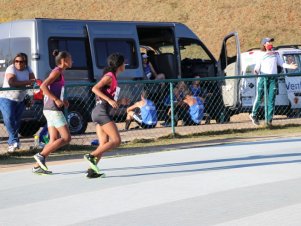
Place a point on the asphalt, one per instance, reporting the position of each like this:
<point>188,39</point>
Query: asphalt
<point>246,183</point>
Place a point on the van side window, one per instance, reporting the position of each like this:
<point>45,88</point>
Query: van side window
<point>105,47</point>
<point>191,49</point>
<point>292,59</point>
<point>10,46</point>
<point>75,46</point>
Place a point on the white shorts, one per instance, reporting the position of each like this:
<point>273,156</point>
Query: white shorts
<point>55,118</point>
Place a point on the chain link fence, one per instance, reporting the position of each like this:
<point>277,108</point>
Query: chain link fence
<point>222,104</point>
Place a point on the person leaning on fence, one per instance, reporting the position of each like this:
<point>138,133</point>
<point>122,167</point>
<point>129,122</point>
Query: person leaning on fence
<point>195,113</point>
<point>149,70</point>
<point>267,64</point>
<point>12,104</point>
<point>147,115</point>
<point>54,103</point>
<point>107,96</point>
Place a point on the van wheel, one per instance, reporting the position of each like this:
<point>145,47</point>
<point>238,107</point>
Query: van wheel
<point>29,128</point>
<point>76,121</point>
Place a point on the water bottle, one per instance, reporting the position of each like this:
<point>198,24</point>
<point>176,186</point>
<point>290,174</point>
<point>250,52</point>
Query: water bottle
<point>95,142</point>
<point>46,139</point>
<point>36,141</point>
<point>222,118</point>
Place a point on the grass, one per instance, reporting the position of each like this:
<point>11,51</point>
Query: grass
<point>210,20</point>
<point>169,142</point>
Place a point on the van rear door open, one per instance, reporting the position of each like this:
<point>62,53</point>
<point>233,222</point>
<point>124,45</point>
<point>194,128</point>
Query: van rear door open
<point>158,41</point>
<point>229,65</point>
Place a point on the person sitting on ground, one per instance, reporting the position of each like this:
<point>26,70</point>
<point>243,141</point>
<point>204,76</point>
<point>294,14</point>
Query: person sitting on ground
<point>147,117</point>
<point>195,113</point>
<point>179,106</point>
<point>149,70</point>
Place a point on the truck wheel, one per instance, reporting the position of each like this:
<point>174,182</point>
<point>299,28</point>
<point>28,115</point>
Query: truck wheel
<point>29,128</point>
<point>76,121</point>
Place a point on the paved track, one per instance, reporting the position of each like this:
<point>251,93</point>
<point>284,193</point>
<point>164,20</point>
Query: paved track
<point>239,184</point>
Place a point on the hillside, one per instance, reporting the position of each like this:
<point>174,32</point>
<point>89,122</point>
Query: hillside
<point>211,20</point>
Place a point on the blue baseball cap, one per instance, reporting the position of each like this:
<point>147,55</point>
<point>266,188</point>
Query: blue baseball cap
<point>265,40</point>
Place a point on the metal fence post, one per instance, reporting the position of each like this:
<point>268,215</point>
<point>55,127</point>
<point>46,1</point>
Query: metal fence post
<point>172,109</point>
<point>265,99</point>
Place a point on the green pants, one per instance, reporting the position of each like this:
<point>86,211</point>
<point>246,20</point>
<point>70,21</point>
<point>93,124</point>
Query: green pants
<point>272,90</point>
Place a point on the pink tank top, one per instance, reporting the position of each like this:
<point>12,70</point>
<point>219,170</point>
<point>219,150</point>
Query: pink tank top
<point>109,91</point>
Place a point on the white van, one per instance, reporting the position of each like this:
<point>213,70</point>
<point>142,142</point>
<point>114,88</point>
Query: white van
<point>179,53</point>
<point>288,98</point>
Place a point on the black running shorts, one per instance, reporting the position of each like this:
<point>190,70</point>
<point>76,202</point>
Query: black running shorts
<point>101,113</point>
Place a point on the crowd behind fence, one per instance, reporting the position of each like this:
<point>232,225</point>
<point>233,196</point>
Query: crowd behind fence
<point>226,101</point>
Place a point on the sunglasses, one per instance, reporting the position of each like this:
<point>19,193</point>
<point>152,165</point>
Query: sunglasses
<point>19,61</point>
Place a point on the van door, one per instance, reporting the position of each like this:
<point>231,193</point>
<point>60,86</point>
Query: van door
<point>229,65</point>
<point>90,52</point>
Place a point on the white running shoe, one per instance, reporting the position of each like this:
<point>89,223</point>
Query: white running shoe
<point>11,148</point>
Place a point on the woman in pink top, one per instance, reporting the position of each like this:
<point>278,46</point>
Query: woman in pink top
<point>106,91</point>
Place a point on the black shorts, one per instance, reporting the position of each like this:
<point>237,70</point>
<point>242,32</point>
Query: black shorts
<point>138,120</point>
<point>101,113</point>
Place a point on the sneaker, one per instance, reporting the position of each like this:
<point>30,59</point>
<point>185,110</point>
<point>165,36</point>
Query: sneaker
<point>166,124</point>
<point>93,162</point>
<point>11,148</point>
<point>17,145</point>
<point>127,124</point>
<point>92,174</point>
<point>39,170</point>
<point>255,121</point>
<point>41,161</point>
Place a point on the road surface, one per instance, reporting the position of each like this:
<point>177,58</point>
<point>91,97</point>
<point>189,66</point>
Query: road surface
<point>254,183</point>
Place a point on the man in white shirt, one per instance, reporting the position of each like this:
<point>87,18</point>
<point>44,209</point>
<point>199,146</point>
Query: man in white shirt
<point>267,64</point>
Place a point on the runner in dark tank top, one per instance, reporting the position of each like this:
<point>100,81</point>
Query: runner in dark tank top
<point>106,91</point>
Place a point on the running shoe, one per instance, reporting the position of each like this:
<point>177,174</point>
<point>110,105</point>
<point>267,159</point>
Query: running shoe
<point>93,162</point>
<point>39,170</point>
<point>11,148</point>
<point>41,161</point>
<point>92,174</point>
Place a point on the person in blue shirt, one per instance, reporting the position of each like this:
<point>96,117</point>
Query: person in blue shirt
<point>195,112</point>
<point>195,87</point>
<point>147,116</point>
<point>149,70</point>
